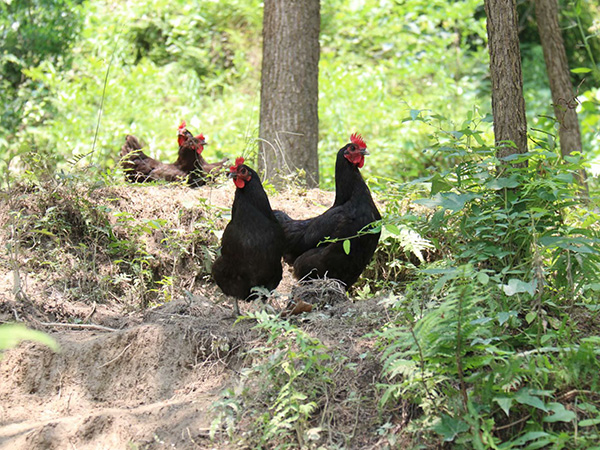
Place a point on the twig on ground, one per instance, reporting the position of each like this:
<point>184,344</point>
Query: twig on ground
<point>88,326</point>
<point>504,427</point>
<point>570,394</point>
<point>116,357</point>
<point>91,313</point>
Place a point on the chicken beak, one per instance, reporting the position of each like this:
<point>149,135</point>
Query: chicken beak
<point>364,151</point>
<point>231,175</point>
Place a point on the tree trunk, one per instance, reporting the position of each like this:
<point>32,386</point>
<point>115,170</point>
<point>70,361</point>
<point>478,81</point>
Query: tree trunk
<point>508,103</point>
<point>289,121</point>
<point>563,99</point>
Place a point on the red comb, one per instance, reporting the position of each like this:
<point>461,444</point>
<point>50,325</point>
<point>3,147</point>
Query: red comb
<point>238,162</point>
<point>182,125</point>
<point>201,137</point>
<point>357,139</point>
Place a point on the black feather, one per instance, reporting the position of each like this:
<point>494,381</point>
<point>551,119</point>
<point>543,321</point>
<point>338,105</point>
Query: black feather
<point>352,210</point>
<point>252,244</point>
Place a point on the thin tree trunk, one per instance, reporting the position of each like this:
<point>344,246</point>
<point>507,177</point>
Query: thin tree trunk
<point>289,122</point>
<point>563,98</point>
<point>508,104</point>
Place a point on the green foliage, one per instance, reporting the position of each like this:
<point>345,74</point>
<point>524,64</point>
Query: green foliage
<point>11,334</point>
<point>517,217</point>
<point>579,26</point>
<point>484,341</point>
<point>35,30</point>
<point>290,375</point>
<point>379,60</point>
<point>464,362</point>
<point>163,61</point>
<point>201,36</point>
<point>31,32</point>
<point>578,22</point>
<point>209,77</point>
<point>402,244</point>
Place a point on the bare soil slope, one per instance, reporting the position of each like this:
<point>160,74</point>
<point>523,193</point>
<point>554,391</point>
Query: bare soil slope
<point>139,366</point>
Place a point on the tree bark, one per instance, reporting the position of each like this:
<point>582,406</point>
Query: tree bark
<point>508,103</point>
<point>563,98</point>
<point>289,121</point>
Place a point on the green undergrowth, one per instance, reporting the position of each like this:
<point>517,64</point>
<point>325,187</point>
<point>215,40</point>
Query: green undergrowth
<point>303,386</point>
<point>294,376</point>
<point>498,341</point>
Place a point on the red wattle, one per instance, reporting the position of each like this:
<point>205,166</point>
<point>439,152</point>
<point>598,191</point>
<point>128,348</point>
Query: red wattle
<point>357,159</point>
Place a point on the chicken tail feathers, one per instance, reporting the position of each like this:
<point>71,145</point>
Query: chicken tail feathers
<point>136,164</point>
<point>131,144</point>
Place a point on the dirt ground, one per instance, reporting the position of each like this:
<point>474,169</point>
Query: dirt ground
<point>128,376</point>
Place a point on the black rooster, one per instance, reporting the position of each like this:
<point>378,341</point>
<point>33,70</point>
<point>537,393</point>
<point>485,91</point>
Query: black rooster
<point>309,245</point>
<point>253,241</point>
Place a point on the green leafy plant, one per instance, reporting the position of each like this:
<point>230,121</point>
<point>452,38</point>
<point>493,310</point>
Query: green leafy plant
<point>11,334</point>
<point>290,374</point>
<point>483,341</point>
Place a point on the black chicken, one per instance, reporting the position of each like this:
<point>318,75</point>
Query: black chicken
<point>352,217</point>
<point>253,241</point>
<point>190,165</point>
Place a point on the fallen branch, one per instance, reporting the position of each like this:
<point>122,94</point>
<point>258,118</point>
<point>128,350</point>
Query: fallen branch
<point>80,326</point>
